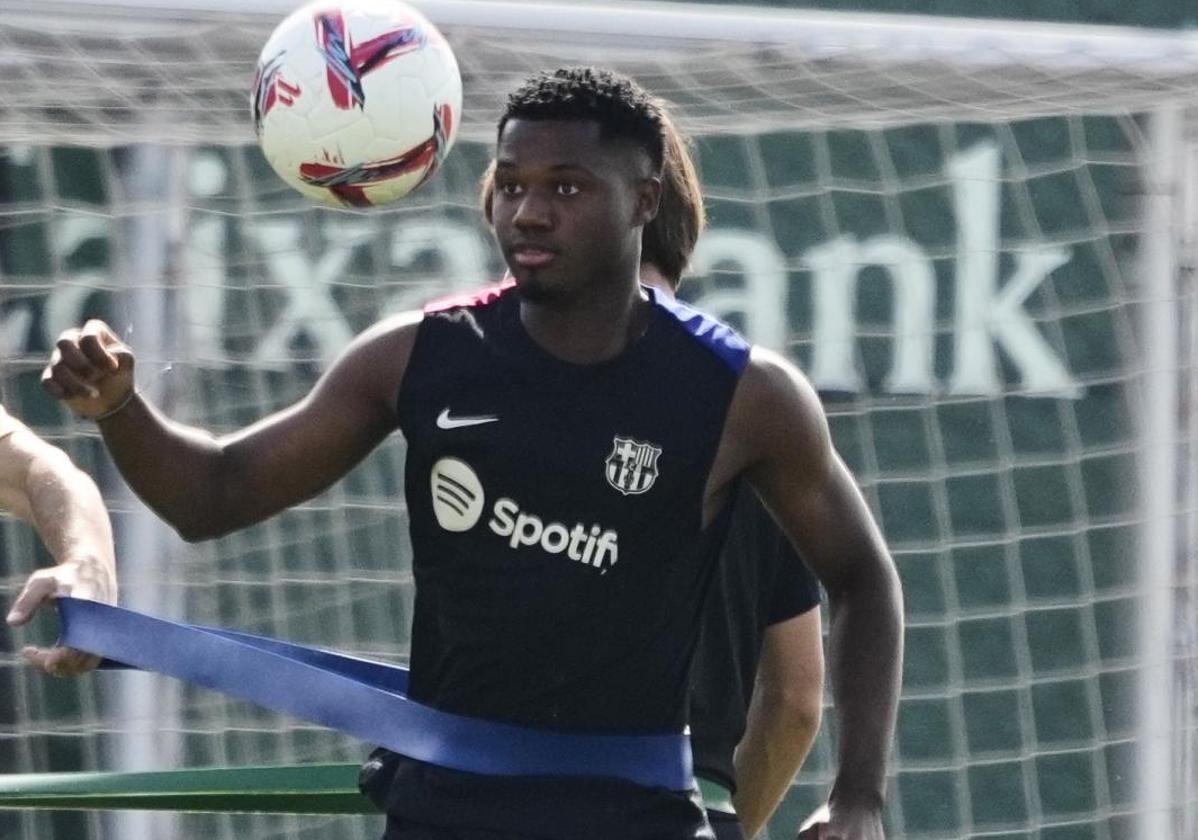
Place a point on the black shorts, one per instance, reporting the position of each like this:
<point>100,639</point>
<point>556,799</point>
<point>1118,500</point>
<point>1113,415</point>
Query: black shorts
<point>725,826</point>
<point>400,829</point>
<point>426,802</point>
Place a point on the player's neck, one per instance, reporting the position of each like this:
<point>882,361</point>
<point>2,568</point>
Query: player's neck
<point>592,328</point>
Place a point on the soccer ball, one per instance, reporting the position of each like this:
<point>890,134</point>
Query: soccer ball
<point>356,102</point>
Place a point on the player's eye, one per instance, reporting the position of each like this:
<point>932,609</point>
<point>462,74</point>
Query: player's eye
<point>567,188</point>
<point>510,188</point>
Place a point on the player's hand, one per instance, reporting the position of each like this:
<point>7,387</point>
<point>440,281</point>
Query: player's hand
<point>83,578</point>
<point>842,822</point>
<point>91,370</point>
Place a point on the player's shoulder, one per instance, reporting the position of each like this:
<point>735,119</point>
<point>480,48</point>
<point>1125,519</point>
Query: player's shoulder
<point>374,363</point>
<point>470,299</point>
<point>770,376</point>
<point>472,315</point>
<point>398,342</point>
<point>775,401</point>
<point>389,337</point>
<point>721,340</point>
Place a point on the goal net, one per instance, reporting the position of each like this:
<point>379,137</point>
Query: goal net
<point>978,241</point>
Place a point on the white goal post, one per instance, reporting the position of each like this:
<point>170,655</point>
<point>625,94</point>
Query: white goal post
<point>980,240</point>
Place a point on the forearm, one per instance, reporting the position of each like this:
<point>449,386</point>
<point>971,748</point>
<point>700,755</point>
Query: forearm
<point>865,662</point>
<point>769,755</point>
<point>175,469</point>
<point>68,512</point>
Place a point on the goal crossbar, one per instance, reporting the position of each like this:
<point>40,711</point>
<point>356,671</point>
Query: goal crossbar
<point>179,72</point>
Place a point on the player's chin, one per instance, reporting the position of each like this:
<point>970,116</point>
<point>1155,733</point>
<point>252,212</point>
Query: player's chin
<point>537,285</point>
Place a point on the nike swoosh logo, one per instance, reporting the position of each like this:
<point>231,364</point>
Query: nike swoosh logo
<point>444,421</point>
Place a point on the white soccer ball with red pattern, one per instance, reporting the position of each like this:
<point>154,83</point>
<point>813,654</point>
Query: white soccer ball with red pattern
<point>356,102</point>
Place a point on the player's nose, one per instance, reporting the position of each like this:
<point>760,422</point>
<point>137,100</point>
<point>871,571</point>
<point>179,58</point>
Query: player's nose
<point>534,212</point>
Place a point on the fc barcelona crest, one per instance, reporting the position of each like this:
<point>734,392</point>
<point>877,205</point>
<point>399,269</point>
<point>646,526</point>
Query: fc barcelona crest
<point>632,465</point>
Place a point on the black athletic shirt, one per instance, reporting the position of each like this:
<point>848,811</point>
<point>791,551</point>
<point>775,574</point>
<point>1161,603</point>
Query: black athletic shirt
<point>560,558</point>
<point>760,581</point>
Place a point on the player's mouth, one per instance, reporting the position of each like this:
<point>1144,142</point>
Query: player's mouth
<point>532,256</point>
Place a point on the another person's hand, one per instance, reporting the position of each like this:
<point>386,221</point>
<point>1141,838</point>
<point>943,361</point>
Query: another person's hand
<point>91,370</point>
<point>842,823</point>
<point>82,578</point>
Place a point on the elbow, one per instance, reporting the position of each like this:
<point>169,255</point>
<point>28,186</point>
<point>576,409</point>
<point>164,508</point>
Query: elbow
<point>195,522</point>
<point>194,529</point>
<point>208,510</point>
<point>194,533</point>
<point>796,706</point>
<point>874,587</point>
<point>803,708</point>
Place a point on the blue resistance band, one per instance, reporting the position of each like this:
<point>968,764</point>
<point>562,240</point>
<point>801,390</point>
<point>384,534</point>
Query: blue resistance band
<point>363,698</point>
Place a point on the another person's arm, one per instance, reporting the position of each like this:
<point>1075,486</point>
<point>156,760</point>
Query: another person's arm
<point>206,485</point>
<point>781,436</point>
<point>40,484</point>
<point>783,719</point>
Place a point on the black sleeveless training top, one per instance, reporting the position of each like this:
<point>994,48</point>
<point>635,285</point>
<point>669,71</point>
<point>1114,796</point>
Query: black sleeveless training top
<point>559,553</point>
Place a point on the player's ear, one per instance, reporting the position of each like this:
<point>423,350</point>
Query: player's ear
<point>648,199</point>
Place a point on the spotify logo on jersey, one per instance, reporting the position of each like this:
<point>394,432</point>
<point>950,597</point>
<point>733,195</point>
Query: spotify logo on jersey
<point>457,495</point>
<point>458,501</point>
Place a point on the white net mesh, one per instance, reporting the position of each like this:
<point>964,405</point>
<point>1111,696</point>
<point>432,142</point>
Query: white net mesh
<point>946,226</point>
<point>141,72</point>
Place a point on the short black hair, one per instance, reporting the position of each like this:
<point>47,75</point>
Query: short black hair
<point>622,108</point>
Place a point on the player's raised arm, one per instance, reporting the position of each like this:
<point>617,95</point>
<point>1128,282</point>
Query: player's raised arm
<point>778,419</point>
<point>206,485</point>
<point>40,484</point>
